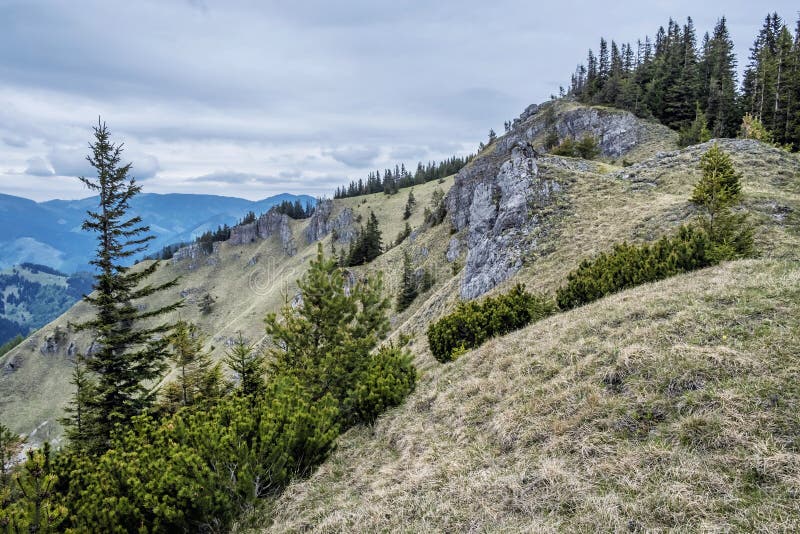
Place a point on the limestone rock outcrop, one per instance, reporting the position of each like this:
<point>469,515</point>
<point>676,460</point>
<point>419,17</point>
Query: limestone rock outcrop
<point>616,131</point>
<point>267,225</point>
<point>494,202</point>
<point>322,223</point>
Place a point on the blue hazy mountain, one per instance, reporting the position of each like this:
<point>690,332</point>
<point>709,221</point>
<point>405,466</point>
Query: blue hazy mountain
<point>49,233</point>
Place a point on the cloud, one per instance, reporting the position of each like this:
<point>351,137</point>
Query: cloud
<point>15,142</point>
<point>230,177</point>
<point>408,153</point>
<point>38,166</point>
<point>354,156</point>
<point>70,162</point>
<point>145,166</point>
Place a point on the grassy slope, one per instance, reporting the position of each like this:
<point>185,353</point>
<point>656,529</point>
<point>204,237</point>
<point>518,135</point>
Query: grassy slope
<point>671,405</point>
<point>38,388</point>
<point>652,408</point>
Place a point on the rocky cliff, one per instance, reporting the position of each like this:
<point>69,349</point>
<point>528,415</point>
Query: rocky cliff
<point>498,202</point>
<point>493,207</point>
<point>323,223</point>
<point>617,132</point>
<point>267,225</point>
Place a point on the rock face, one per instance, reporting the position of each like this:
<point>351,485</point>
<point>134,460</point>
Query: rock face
<point>494,200</point>
<point>321,223</point>
<point>55,342</point>
<point>617,131</point>
<point>243,234</point>
<point>269,224</point>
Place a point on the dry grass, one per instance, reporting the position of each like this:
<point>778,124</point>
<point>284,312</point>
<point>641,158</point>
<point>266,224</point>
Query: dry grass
<point>672,406</point>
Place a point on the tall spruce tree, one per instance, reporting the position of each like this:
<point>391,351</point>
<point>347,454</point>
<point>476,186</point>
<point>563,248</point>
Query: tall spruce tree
<point>325,342</point>
<point>130,342</point>
<point>408,284</point>
<point>721,108</point>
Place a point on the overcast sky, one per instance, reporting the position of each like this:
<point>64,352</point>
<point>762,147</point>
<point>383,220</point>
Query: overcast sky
<point>251,99</point>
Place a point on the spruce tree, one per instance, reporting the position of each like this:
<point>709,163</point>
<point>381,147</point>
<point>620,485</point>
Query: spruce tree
<point>325,342</point>
<point>198,380</point>
<point>408,284</point>
<point>721,108</point>
<point>81,421</point>
<point>718,191</point>
<point>368,244</point>
<point>10,446</point>
<point>131,343</point>
<point>697,132</point>
<point>248,363</point>
<point>410,203</point>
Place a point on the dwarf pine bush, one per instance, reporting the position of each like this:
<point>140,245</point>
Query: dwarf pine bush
<point>472,323</point>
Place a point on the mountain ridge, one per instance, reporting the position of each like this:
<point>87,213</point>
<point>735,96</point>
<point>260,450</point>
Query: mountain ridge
<point>49,232</point>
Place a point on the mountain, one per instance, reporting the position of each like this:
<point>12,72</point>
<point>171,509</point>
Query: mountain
<point>49,232</point>
<point>32,295</point>
<point>672,405</point>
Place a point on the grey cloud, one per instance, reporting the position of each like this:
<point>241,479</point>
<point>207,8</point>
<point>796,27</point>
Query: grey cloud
<point>39,166</point>
<point>15,142</point>
<point>290,174</point>
<point>354,156</point>
<point>225,177</point>
<point>407,153</point>
<point>373,82</point>
<point>145,166</point>
<point>70,162</point>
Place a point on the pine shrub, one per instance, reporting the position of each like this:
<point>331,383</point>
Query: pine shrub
<point>472,322</point>
<point>389,377</point>
<point>629,265</point>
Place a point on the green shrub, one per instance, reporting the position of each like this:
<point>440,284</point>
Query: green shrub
<point>627,266</point>
<point>565,148</point>
<point>472,323</point>
<point>586,148</point>
<point>388,379</point>
<point>198,470</point>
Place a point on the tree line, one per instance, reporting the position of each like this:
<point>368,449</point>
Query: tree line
<point>674,79</point>
<point>390,182</point>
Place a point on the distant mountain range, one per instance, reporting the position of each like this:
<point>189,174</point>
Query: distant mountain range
<point>33,295</point>
<point>49,233</point>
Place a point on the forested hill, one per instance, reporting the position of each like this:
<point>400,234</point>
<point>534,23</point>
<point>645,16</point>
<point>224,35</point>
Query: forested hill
<point>677,78</point>
<point>32,295</point>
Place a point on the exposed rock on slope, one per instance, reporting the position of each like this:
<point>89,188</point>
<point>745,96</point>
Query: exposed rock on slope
<point>269,224</point>
<point>617,132</point>
<point>322,223</point>
<point>491,200</point>
<point>500,199</point>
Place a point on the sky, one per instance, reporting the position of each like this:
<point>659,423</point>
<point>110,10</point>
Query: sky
<point>254,98</point>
